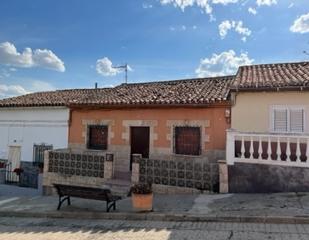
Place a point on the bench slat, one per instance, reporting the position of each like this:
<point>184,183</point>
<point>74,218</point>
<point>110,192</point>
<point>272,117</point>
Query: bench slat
<point>86,192</point>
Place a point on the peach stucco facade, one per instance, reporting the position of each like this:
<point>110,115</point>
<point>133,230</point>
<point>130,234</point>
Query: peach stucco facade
<point>212,120</point>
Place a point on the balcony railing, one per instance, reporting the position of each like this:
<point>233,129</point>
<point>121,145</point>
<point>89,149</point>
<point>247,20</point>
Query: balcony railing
<point>269,148</point>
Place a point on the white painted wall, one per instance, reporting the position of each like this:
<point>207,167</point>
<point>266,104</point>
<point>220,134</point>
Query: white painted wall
<point>26,126</point>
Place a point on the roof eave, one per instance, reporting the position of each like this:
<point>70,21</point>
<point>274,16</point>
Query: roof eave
<point>269,89</point>
<point>116,106</point>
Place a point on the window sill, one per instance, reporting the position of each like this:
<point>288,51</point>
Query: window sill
<point>186,155</point>
<point>96,150</point>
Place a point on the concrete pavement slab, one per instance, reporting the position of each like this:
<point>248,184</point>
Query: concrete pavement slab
<point>277,208</point>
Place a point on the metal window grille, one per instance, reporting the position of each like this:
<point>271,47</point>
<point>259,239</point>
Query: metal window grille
<point>187,140</point>
<point>38,152</point>
<point>97,137</point>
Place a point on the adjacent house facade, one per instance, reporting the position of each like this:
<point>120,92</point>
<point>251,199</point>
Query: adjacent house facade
<point>29,125</point>
<point>267,147</point>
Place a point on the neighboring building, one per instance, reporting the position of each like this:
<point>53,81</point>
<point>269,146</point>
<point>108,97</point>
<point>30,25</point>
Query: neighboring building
<point>29,125</point>
<point>267,147</point>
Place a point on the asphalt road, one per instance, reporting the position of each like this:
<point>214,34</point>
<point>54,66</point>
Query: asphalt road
<point>63,229</point>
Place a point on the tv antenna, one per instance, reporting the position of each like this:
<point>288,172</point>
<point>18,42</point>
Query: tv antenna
<point>125,67</point>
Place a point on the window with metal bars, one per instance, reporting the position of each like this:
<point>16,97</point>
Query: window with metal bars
<point>187,140</point>
<point>97,137</point>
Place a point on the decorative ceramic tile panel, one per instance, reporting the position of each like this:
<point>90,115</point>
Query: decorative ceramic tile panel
<point>88,165</point>
<point>181,173</point>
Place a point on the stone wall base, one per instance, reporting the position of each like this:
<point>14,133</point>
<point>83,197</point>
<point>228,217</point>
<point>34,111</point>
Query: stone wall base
<point>165,189</point>
<point>262,178</point>
<point>49,191</point>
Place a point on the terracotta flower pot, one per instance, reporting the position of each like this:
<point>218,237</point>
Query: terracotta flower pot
<point>142,202</point>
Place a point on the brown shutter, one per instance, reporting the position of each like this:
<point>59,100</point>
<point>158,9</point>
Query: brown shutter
<point>187,140</point>
<point>98,137</point>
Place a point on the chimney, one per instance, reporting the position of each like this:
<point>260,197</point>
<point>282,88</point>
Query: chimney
<point>96,85</point>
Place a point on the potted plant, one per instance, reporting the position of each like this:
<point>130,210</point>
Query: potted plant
<point>142,197</point>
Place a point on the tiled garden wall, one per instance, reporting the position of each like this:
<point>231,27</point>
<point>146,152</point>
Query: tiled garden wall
<point>77,164</point>
<point>82,168</point>
<point>201,175</point>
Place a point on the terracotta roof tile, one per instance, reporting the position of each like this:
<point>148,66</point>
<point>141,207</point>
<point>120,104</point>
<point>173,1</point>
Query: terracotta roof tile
<point>178,92</point>
<point>272,76</point>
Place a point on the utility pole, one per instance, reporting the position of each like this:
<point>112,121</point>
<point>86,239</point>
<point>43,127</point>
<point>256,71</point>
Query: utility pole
<point>125,67</point>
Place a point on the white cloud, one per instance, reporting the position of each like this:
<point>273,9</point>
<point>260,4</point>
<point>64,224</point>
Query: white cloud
<point>291,5</point>
<point>172,28</point>
<point>252,10</point>
<point>146,5</point>
<point>40,86</point>
<point>205,5</point>
<point>225,63</point>
<point>47,59</point>
<point>227,25</point>
<point>105,67</point>
<point>183,4</point>
<point>301,24</point>
<point>266,2</point>
<point>7,91</point>
<point>11,90</point>
<point>4,73</point>
<point>224,2</point>
<point>29,58</point>
<point>182,28</point>
<point>224,27</point>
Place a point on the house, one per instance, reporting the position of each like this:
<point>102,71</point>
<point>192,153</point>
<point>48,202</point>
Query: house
<point>267,145</point>
<point>177,128</point>
<point>30,124</point>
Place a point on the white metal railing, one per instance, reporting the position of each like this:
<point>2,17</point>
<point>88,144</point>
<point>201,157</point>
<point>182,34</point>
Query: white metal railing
<point>267,148</point>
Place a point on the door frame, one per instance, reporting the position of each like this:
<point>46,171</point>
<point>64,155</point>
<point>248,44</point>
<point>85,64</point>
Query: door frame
<point>148,133</point>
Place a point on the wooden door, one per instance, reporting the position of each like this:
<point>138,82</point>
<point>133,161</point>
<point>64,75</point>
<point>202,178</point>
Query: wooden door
<point>139,142</point>
<point>14,156</point>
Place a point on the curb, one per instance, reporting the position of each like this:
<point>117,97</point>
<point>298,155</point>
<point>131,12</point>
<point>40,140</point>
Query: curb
<point>160,217</point>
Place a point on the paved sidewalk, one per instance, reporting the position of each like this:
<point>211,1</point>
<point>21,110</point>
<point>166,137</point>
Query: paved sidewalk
<point>79,229</point>
<point>280,207</point>
<point>15,191</point>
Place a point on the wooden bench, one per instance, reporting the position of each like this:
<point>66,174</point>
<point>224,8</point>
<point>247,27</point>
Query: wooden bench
<point>67,191</point>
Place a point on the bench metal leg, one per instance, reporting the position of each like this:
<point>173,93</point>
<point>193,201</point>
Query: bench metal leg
<point>110,205</point>
<point>61,200</point>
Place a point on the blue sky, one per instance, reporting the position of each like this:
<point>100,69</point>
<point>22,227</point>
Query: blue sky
<point>47,45</point>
